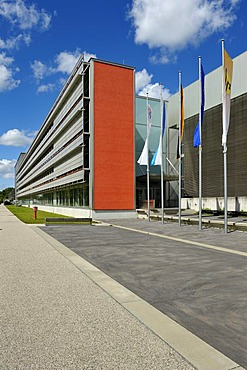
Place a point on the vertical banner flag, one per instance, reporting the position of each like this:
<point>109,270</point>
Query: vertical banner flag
<point>157,158</point>
<point>181,133</point>
<point>182,114</point>
<point>226,92</point>
<point>143,159</point>
<point>197,139</point>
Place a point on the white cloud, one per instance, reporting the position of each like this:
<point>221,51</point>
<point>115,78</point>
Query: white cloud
<point>7,168</point>
<point>4,60</point>
<point>63,63</point>
<point>15,42</point>
<point>66,61</point>
<point>163,57</point>
<point>46,88</point>
<point>167,25</point>
<point>62,81</point>
<point>143,86</point>
<point>24,16</point>
<point>16,138</point>
<point>142,78</point>
<point>87,56</point>
<point>153,91</point>
<point>39,69</point>
<point>7,81</point>
<point>18,15</point>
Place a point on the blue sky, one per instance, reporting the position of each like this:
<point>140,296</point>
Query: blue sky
<point>40,42</point>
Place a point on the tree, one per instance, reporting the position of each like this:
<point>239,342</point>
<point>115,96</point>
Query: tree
<point>8,193</point>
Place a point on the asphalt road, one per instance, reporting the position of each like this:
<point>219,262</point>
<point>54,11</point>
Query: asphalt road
<point>198,278</point>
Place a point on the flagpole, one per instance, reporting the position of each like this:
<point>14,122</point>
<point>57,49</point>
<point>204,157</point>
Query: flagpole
<point>148,170</point>
<point>224,146</point>
<point>200,146</point>
<point>180,151</point>
<point>161,165</point>
<point>225,187</point>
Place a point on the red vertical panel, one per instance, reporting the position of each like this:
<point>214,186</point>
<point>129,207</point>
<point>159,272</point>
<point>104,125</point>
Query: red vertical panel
<point>113,137</point>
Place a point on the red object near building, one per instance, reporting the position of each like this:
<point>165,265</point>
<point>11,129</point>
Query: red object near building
<point>35,211</point>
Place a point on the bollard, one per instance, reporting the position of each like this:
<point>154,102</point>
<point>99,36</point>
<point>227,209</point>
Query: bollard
<point>35,210</point>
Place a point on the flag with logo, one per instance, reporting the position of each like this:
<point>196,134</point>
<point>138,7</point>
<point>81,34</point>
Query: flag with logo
<point>143,159</point>
<point>226,94</point>
<point>157,158</point>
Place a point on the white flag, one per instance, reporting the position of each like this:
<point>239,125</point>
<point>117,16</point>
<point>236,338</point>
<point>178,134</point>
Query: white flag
<point>157,158</point>
<point>143,159</point>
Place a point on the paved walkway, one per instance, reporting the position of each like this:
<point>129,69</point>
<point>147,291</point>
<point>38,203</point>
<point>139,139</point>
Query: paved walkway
<point>57,311</point>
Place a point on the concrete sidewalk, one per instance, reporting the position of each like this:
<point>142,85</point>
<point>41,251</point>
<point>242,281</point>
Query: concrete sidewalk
<point>57,311</point>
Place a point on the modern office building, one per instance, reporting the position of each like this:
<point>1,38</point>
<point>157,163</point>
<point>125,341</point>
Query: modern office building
<point>83,161</point>
<point>170,171</point>
<point>212,152</point>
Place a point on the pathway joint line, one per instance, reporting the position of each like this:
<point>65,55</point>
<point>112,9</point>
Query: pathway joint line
<point>185,241</point>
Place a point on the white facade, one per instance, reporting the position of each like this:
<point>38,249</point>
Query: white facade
<point>56,157</point>
<point>213,98</point>
<point>213,90</point>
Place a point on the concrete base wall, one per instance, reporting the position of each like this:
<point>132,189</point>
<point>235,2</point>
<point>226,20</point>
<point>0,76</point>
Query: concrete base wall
<point>87,213</point>
<point>234,204</point>
<point>66,211</point>
<point>104,215</point>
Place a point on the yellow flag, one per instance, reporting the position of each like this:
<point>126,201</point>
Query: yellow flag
<point>226,90</point>
<point>228,72</point>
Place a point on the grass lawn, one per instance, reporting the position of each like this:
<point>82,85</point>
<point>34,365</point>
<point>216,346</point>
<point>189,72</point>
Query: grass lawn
<point>26,214</point>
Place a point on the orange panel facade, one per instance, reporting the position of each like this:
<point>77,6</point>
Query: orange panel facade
<point>114,170</point>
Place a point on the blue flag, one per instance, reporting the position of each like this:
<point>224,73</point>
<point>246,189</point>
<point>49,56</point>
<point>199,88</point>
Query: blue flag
<point>197,141</point>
